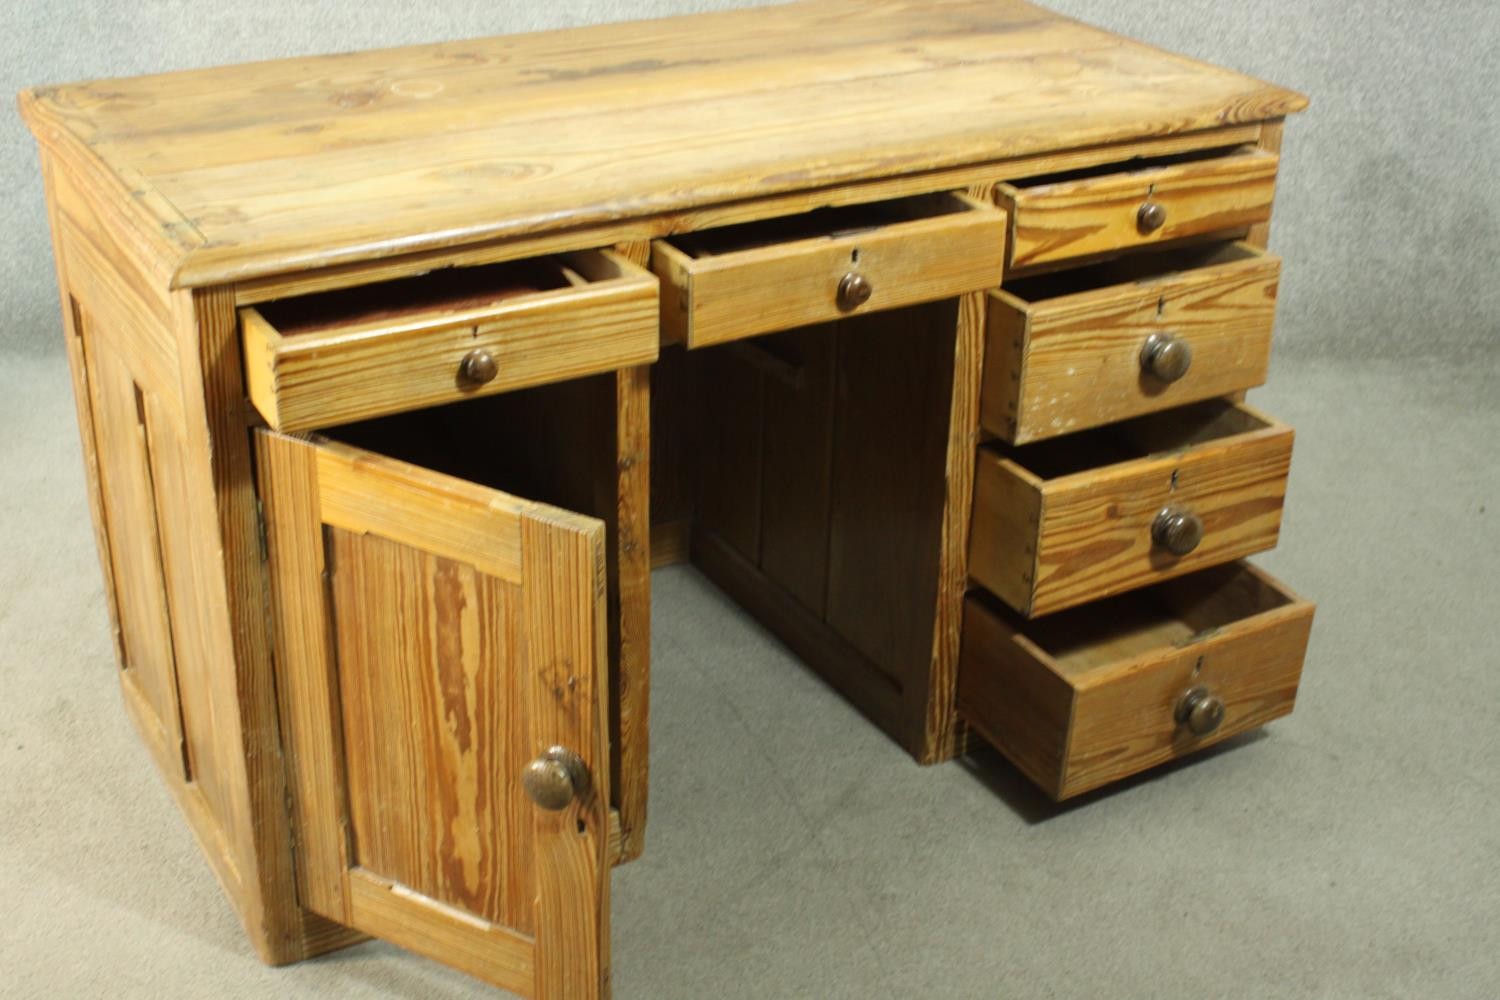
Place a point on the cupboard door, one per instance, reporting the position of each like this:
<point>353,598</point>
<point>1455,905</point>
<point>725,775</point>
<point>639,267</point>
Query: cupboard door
<point>436,641</point>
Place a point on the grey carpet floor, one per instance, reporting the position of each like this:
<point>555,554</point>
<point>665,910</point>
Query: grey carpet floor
<point>1352,850</point>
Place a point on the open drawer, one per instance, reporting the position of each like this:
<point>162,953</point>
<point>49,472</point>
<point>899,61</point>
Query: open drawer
<point>1079,349</point>
<point>1077,518</point>
<point>1102,210</point>
<point>335,357</point>
<point>1098,693</point>
<point>743,280</point>
<point>441,672</point>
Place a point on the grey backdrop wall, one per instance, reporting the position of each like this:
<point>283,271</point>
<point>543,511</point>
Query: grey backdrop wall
<point>1388,206</point>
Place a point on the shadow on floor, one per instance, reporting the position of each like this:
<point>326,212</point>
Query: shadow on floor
<point>1000,776</point>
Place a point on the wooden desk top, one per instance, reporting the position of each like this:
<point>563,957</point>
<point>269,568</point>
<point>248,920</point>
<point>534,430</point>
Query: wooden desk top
<point>283,166</point>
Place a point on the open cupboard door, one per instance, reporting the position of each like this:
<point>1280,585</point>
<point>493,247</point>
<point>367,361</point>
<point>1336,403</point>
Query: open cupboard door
<point>441,666</point>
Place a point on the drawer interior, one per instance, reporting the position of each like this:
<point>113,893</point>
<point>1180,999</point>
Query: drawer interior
<point>1141,267</point>
<point>822,223</point>
<point>1142,437</point>
<point>1168,614</point>
<point>1132,166</point>
<point>449,290</point>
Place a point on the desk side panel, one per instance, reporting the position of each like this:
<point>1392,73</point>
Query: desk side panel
<point>189,533</point>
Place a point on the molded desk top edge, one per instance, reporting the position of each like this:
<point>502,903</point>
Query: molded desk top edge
<point>278,167</point>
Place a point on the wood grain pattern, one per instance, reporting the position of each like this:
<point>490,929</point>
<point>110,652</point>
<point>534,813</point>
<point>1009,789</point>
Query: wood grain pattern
<point>563,608</point>
<point>75,345</point>
<point>114,286</point>
<point>312,738</point>
<point>932,701</point>
<point>199,684</point>
<point>1057,364</point>
<point>129,505</point>
<point>580,445</point>
<point>1022,711</point>
<point>230,580</point>
<point>630,564</point>
<point>417,686</point>
<point>366,369</point>
<point>286,166</point>
<point>434,745</point>
<point>495,954</point>
<point>640,229</point>
<point>1007,521</point>
<point>1088,697</point>
<point>496,616</point>
<point>763,287</point>
<point>1271,133</point>
<point>1093,215</point>
<point>363,492</point>
<point>1094,533</point>
<point>204,822</point>
<point>182,353</point>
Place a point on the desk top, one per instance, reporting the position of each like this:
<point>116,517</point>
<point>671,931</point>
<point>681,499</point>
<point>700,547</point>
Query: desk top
<point>283,166</point>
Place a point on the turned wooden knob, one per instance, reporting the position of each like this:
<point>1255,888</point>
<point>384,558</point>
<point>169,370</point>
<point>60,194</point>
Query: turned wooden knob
<point>1151,216</point>
<point>478,367</point>
<point>854,291</point>
<point>556,778</point>
<point>1166,356</point>
<point>1200,710</point>
<point>1177,529</point>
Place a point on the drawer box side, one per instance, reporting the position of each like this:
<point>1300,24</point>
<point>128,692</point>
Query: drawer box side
<point>1023,710</point>
<point>1006,522</point>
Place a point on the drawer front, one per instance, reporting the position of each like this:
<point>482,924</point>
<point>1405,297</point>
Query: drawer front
<point>716,297</point>
<point>1073,219</point>
<point>1044,544</point>
<point>1068,363</point>
<point>603,319</point>
<point>1146,684</point>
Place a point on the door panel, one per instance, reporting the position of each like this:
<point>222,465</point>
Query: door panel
<point>127,491</point>
<point>424,647</point>
<point>434,637</point>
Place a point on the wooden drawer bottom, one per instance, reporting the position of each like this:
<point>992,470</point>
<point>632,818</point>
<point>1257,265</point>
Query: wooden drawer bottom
<point>1082,698</point>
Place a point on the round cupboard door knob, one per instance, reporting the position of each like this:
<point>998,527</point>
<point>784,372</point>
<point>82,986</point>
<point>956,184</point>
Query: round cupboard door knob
<point>1166,356</point>
<point>478,367</point>
<point>854,291</point>
<point>556,778</point>
<point>1177,529</point>
<point>1200,710</point>
<point>1151,216</point>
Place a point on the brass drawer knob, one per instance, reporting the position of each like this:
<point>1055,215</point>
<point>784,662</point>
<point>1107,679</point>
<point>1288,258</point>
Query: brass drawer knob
<point>1200,710</point>
<point>478,367</point>
<point>556,778</point>
<point>854,291</point>
<point>1151,216</point>
<point>1166,356</point>
<point>1177,529</point>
